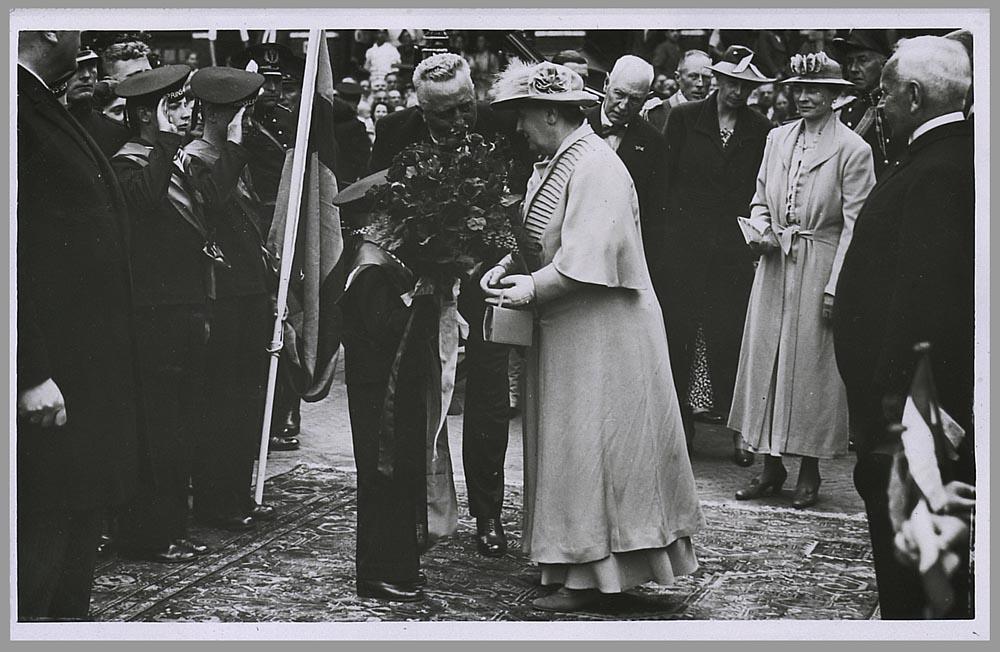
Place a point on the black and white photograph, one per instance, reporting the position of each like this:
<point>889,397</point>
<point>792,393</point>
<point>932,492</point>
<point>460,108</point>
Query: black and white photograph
<point>499,323</point>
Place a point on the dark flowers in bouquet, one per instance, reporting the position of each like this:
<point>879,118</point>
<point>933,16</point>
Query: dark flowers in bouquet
<point>443,211</point>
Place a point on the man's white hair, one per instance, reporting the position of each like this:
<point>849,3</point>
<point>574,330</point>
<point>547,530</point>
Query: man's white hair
<point>693,54</point>
<point>632,70</point>
<point>440,67</point>
<point>940,66</point>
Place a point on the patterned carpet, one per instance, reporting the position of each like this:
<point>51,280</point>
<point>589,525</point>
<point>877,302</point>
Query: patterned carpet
<point>756,563</point>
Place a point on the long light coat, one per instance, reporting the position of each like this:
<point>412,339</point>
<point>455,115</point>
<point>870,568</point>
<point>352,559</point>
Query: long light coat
<point>789,397</point>
<point>605,463</point>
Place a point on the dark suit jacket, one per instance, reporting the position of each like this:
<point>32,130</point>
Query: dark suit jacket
<point>108,134</point>
<point>644,153</point>
<point>909,277</point>
<point>168,265</point>
<point>353,146</point>
<point>73,311</point>
<point>404,128</point>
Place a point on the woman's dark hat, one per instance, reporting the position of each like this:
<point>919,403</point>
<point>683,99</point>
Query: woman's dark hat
<point>221,85</point>
<point>737,62</point>
<point>152,84</point>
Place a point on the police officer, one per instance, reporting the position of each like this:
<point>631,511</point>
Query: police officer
<point>173,254</point>
<point>241,311</point>
<point>862,54</point>
<point>271,133</point>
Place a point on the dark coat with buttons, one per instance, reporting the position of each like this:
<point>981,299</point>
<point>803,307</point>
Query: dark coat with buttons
<point>74,310</point>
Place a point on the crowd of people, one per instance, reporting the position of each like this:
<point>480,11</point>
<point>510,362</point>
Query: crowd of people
<point>749,233</point>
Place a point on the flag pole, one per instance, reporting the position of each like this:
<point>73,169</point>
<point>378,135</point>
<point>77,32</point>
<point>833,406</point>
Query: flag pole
<point>288,246</point>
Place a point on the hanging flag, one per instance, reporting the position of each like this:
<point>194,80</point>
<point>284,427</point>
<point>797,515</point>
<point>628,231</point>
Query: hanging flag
<point>312,326</point>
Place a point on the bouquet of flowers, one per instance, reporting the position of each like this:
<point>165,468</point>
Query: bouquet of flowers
<point>444,211</point>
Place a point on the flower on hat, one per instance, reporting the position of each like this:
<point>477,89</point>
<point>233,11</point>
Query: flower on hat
<point>550,79</point>
<point>808,64</point>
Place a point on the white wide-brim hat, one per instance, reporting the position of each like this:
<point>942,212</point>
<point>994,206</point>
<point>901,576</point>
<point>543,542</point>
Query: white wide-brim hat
<point>541,82</point>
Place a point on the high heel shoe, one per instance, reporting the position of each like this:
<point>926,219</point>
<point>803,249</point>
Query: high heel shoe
<point>806,496</point>
<point>757,489</point>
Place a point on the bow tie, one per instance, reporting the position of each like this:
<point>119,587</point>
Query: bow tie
<point>609,130</point>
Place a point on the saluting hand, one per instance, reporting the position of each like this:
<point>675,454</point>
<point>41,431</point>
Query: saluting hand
<point>162,121</point>
<point>42,405</point>
<point>234,131</point>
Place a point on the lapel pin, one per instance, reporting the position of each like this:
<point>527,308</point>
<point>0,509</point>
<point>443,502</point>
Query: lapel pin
<point>640,148</point>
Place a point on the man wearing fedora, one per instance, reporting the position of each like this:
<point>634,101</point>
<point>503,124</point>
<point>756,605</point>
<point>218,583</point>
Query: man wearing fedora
<point>862,54</point>
<point>714,150</point>
<point>616,120</point>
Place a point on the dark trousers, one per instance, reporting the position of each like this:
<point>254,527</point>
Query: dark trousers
<point>56,554</point>
<point>234,406</point>
<point>387,507</point>
<point>172,343</point>
<point>900,590</point>
<point>487,403</point>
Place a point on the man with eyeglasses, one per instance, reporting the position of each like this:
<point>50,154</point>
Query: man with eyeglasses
<point>639,146</point>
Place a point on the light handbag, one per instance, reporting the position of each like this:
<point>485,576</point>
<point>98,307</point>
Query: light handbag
<point>508,326</point>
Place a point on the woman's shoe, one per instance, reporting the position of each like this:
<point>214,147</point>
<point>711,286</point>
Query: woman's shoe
<point>568,600</point>
<point>806,496</point>
<point>757,488</point>
<point>741,457</point>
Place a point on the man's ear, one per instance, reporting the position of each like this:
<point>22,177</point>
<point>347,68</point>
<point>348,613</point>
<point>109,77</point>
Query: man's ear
<point>51,37</point>
<point>607,82</point>
<point>915,94</point>
<point>551,115</point>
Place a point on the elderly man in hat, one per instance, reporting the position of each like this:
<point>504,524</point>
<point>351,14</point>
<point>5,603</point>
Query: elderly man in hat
<point>861,54</point>
<point>908,277</point>
<point>714,150</point>
<point>77,433</point>
<point>447,112</point>
<point>79,101</point>
<point>173,258</point>
<point>640,147</point>
<point>241,314</point>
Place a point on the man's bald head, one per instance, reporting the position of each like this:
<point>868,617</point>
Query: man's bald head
<point>51,55</point>
<point>693,75</point>
<point>926,77</point>
<point>626,89</point>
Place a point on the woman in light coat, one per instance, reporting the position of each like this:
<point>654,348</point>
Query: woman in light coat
<point>609,496</point>
<point>814,178</point>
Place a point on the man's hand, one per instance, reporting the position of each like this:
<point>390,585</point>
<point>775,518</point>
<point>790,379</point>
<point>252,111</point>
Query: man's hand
<point>162,121</point>
<point>961,498</point>
<point>513,291</point>
<point>234,131</point>
<point>42,405</point>
<point>828,307</point>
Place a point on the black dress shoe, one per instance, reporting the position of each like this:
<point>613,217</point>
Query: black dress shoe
<point>282,443</point>
<point>198,549</point>
<point>490,539</point>
<point>105,546</point>
<point>758,488</point>
<point>263,512</point>
<point>389,591</point>
<point>172,554</point>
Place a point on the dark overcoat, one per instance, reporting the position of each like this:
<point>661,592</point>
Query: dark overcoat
<point>74,309</point>
<point>908,277</point>
<point>708,269</point>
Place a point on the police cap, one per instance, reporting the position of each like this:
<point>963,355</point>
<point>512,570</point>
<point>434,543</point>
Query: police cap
<point>222,85</point>
<point>151,84</point>
<point>271,59</point>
